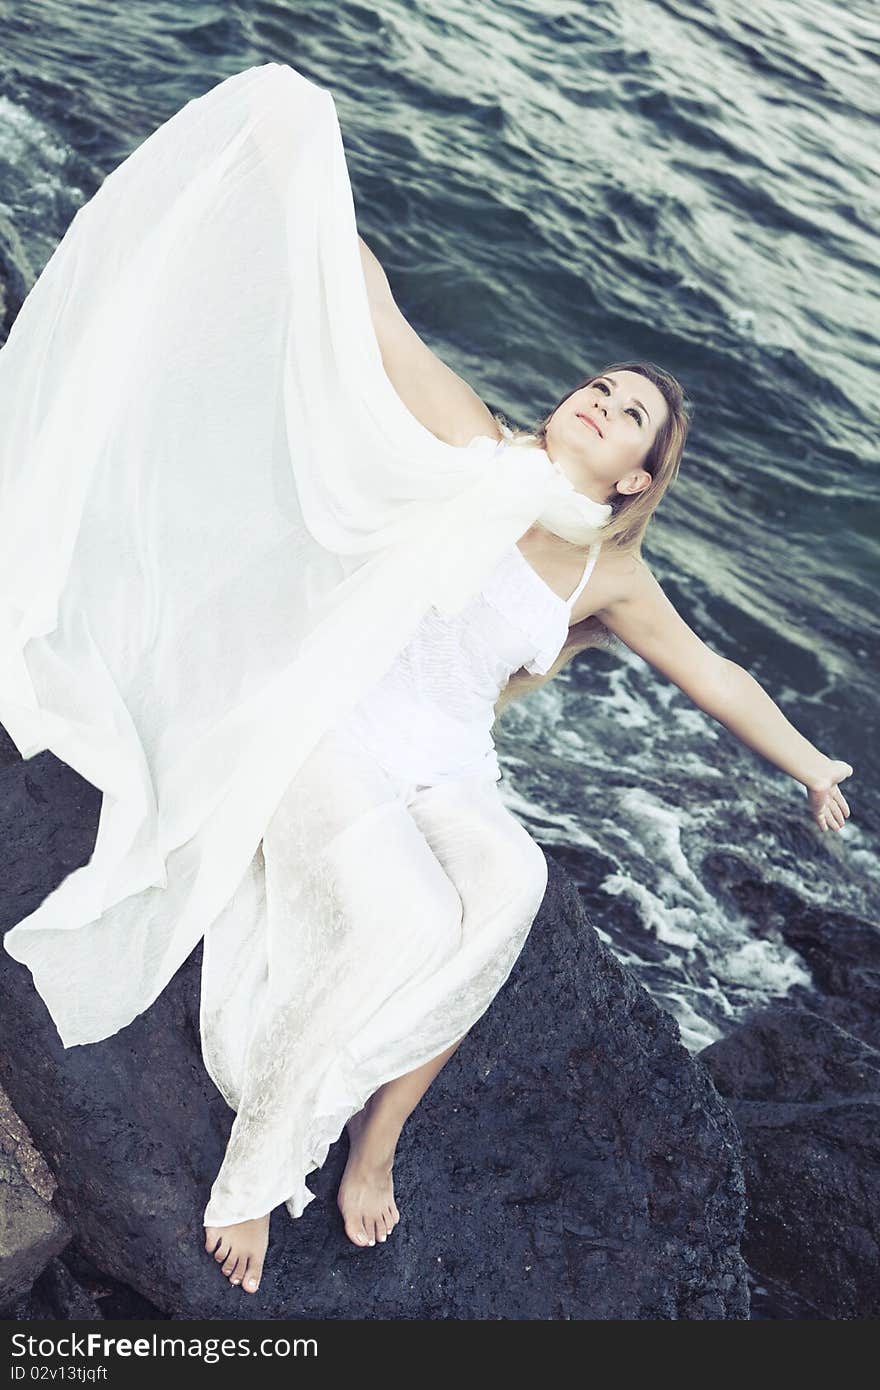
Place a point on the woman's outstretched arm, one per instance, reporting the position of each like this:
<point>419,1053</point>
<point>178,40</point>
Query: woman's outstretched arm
<point>647,622</point>
<point>433,392</point>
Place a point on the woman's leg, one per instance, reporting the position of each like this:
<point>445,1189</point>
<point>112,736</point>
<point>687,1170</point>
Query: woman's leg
<point>367,1184</point>
<point>392,923</point>
<point>358,915</point>
<point>500,874</point>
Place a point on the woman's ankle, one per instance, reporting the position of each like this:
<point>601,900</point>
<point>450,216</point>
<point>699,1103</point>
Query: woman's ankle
<point>374,1136</point>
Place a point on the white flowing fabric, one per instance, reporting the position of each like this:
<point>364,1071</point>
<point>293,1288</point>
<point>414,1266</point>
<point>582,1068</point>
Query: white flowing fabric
<point>218,522</point>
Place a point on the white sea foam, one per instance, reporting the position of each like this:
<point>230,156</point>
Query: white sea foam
<point>38,197</point>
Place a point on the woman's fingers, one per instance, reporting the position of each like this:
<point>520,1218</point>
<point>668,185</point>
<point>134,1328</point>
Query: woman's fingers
<point>835,814</point>
<point>827,816</point>
<point>830,808</point>
<point>838,808</point>
<point>828,804</point>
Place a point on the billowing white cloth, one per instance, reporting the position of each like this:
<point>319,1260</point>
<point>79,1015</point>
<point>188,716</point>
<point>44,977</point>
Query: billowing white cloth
<point>218,521</point>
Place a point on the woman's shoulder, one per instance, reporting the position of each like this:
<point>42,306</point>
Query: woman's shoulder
<point>615,577</point>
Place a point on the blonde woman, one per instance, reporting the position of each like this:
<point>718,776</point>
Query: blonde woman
<point>618,436</point>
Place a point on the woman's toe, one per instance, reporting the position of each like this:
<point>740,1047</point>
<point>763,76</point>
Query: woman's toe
<point>356,1232</point>
<point>251,1281</point>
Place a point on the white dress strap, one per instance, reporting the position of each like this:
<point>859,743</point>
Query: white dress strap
<point>592,557</point>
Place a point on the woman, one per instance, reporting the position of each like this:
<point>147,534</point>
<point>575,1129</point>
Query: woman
<point>267,604</point>
<point>619,438</point>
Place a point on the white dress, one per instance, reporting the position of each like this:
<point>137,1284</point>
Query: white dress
<point>430,717</point>
<point>389,900</point>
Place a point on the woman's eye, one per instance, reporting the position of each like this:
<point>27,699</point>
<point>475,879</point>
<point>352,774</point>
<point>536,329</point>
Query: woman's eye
<point>636,414</point>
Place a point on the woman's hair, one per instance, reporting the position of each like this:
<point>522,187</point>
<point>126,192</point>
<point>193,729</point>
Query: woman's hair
<point>630,514</point>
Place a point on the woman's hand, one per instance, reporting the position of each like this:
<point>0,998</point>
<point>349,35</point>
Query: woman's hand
<point>644,618</point>
<point>827,802</point>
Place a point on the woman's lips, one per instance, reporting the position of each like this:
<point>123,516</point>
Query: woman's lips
<point>588,420</point>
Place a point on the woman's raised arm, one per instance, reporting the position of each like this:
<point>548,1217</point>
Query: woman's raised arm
<point>438,398</point>
<point>647,622</point>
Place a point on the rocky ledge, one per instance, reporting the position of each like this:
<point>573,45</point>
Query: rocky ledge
<point>573,1160</point>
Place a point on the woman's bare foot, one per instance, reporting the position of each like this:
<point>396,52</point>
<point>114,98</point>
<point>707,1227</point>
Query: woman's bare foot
<point>240,1249</point>
<point>366,1192</point>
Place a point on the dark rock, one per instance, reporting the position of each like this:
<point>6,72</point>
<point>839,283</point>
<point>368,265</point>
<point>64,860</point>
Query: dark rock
<point>806,1098</point>
<point>49,819</point>
<point>31,1232</point>
<point>18,1300</point>
<point>110,1297</point>
<point>843,953</point>
<point>58,1291</point>
<point>571,1161</point>
<point>17,1143</point>
<point>28,1307</point>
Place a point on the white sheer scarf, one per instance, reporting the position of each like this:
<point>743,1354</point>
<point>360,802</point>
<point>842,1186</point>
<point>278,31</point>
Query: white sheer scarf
<point>218,522</point>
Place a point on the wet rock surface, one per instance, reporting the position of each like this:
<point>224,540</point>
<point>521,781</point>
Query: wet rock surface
<point>806,1098</point>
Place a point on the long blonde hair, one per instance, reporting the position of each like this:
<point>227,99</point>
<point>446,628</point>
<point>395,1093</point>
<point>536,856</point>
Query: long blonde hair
<point>630,515</point>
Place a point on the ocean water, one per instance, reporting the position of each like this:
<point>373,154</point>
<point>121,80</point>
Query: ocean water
<point>552,186</point>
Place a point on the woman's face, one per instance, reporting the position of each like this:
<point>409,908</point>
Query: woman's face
<point>601,435</point>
